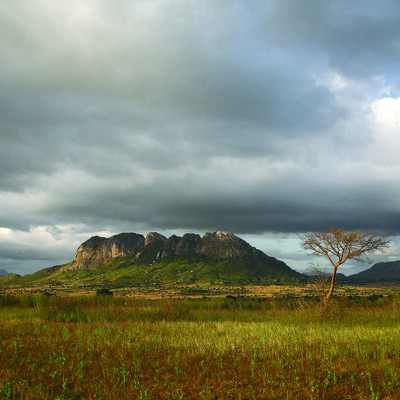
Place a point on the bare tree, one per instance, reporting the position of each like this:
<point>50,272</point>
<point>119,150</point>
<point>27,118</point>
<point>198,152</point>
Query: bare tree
<point>339,246</point>
<point>320,278</point>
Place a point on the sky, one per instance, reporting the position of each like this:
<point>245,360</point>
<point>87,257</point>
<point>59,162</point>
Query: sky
<point>267,119</point>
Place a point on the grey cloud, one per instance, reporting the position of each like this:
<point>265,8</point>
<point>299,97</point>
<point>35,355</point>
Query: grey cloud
<point>27,254</point>
<point>185,70</point>
<point>193,203</point>
<point>359,41</point>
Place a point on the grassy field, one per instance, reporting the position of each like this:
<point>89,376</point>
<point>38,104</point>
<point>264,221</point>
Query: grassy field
<point>118,347</point>
<point>277,290</point>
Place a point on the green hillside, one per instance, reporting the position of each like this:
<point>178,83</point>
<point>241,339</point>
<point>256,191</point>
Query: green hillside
<point>143,268</point>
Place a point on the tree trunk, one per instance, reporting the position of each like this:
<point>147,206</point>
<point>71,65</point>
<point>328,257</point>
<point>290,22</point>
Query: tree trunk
<point>328,296</point>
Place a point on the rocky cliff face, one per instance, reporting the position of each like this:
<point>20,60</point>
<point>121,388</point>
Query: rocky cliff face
<point>224,245</point>
<point>218,244</point>
<point>153,237</point>
<point>98,250</point>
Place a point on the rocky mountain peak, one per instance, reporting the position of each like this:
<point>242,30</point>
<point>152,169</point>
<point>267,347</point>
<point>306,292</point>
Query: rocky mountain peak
<point>221,235</point>
<point>224,244</point>
<point>98,250</point>
<point>154,237</point>
<point>188,244</point>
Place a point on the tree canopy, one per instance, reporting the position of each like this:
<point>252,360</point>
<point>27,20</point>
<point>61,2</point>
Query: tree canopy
<point>339,246</point>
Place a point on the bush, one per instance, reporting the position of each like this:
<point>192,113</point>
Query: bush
<point>104,292</point>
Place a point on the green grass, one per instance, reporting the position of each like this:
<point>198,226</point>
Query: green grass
<point>108,347</point>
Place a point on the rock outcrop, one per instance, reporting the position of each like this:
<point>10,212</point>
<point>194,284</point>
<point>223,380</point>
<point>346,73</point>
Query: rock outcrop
<point>218,244</point>
<point>153,237</point>
<point>224,245</point>
<point>98,250</point>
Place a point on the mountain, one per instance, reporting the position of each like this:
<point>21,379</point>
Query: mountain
<point>130,259</point>
<point>4,272</point>
<point>380,272</point>
<point>328,276</point>
<point>97,250</point>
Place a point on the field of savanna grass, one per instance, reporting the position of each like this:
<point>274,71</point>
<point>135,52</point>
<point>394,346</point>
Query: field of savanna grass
<point>119,347</point>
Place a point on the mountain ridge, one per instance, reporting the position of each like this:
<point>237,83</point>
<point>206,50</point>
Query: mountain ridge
<point>4,272</point>
<point>129,259</point>
<point>98,250</point>
<point>388,271</point>
<point>379,272</point>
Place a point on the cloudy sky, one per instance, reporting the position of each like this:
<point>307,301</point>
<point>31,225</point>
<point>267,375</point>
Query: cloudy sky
<point>262,118</point>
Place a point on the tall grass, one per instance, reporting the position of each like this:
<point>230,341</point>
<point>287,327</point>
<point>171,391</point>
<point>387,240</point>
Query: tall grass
<point>99,347</point>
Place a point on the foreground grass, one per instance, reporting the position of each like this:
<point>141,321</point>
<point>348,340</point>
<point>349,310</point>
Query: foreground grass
<point>120,348</point>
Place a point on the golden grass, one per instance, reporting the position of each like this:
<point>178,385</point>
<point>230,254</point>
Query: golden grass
<point>126,348</point>
<point>190,291</point>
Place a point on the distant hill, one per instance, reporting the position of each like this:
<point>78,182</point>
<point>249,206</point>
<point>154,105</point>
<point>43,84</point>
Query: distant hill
<point>4,272</point>
<point>130,259</point>
<point>328,276</point>
<point>380,272</point>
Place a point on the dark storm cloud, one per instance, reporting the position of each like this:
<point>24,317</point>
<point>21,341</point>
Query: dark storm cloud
<point>360,40</point>
<point>252,117</point>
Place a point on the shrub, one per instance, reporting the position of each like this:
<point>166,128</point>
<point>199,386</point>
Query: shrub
<point>104,292</point>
